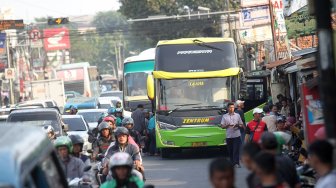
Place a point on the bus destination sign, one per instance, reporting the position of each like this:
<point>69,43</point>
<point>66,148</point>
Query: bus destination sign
<point>11,24</point>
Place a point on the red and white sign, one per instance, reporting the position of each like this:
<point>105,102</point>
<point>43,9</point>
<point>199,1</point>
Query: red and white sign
<point>56,39</point>
<point>35,38</point>
<point>71,74</point>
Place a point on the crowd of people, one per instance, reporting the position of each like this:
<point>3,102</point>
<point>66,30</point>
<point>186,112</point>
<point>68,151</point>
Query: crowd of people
<point>263,146</point>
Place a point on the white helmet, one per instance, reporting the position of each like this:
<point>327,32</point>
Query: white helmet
<point>48,129</point>
<point>120,159</point>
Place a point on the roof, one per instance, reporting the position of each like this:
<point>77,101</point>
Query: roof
<point>24,145</point>
<point>148,54</point>
<point>304,52</point>
<point>34,110</point>
<point>281,62</point>
<point>72,116</point>
<point>92,110</point>
<point>191,40</point>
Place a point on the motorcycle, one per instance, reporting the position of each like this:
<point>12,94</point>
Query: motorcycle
<point>81,182</point>
<point>307,176</point>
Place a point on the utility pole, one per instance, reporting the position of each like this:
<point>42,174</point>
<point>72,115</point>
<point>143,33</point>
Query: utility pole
<point>228,16</point>
<point>273,30</point>
<point>9,66</point>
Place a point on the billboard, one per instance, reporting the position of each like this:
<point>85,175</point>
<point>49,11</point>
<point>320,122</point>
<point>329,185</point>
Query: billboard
<point>254,16</point>
<point>252,3</point>
<point>56,39</point>
<point>2,43</point>
<point>255,34</point>
<point>71,74</point>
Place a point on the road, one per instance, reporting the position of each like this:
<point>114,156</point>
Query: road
<point>187,169</point>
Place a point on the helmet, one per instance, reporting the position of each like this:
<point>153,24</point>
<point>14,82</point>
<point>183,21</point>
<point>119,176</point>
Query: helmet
<point>109,118</point>
<point>103,125</point>
<point>48,129</point>
<point>76,139</point>
<point>64,141</point>
<point>120,131</point>
<point>268,140</point>
<point>121,159</point>
<point>127,121</point>
<point>111,110</point>
<point>119,110</point>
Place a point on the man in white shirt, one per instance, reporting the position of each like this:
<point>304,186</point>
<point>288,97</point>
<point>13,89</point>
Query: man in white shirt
<point>321,158</point>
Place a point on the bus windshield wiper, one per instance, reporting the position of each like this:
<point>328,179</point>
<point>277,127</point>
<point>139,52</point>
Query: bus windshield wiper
<point>181,106</point>
<point>201,43</point>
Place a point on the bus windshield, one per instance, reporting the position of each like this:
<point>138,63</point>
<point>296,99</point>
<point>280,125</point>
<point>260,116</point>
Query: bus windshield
<point>196,93</point>
<point>136,84</point>
<point>198,57</point>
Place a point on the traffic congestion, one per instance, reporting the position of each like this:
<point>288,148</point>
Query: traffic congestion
<point>148,93</point>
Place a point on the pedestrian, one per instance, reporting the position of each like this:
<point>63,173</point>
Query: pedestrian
<point>250,150</point>
<point>321,159</point>
<point>285,166</point>
<point>6,101</point>
<point>274,110</point>
<point>256,127</point>
<point>139,119</point>
<point>152,137</point>
<point>282,135</point>
<point>285,108</point>
<point>269,119</point>
<point>146,133</point>
<point>240,110</point>
<point>265,168</point>
<point>232,122</point>
<point>222,173</point>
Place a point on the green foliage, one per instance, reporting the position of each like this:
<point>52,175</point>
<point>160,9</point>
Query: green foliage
<point>300,24</point>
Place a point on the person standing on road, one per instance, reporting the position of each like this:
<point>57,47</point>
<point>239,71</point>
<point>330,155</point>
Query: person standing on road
<point>139,119</point>
<point>256,127</point>
<point>240,111</point>
<point>232,122</point>
<point>222,173</point>
<point>320,158</point>
<point>269,119</point>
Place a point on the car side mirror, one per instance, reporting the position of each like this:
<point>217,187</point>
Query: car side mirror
<point>65,127</point>
<point>150,87</point>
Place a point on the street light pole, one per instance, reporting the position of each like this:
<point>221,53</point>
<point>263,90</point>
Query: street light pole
<point>9,66</point>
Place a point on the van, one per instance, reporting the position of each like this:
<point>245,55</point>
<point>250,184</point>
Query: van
<point>28,159</point>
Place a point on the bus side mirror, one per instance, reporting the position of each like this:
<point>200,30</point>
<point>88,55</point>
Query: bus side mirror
<point>150,87</point>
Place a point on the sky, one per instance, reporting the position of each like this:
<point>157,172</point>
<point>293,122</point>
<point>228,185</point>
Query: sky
<point>29,9</point>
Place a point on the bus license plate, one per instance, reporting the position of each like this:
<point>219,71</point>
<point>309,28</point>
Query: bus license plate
<point>198,144</point>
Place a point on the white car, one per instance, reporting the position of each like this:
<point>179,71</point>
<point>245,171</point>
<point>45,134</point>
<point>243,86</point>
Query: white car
<point>78,126</point>
<point>91,116</point>
<point>118,94</point>
<point>37,103</point>
<point>105,102</point>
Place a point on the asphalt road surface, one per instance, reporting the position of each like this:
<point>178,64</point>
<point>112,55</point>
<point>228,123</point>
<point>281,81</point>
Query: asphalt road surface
<point>186,169</point>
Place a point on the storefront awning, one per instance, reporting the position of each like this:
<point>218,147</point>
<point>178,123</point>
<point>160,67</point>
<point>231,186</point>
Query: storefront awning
<point>281,62</point>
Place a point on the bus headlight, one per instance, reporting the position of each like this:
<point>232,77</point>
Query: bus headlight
<point>166,126</point>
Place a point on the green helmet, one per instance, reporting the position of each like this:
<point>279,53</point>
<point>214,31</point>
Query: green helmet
<point>64,141</point>
<point>111,110</point>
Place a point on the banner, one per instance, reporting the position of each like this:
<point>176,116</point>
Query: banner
<point>251,3</point>
<point>254,16</point>
<point>2,43</point>
<point>56,39</point>
<point>71,74</point>
<point>255,34</point>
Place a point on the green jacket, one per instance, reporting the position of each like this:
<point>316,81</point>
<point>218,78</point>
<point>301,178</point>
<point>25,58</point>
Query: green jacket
<point>118,122</point>
<point>133,182</point>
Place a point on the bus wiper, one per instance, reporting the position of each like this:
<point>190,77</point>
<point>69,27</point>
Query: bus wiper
<point>181,106</point>
<point>201,43</point>
<point>206,106</point>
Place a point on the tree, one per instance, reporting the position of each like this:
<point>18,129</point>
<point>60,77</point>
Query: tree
<point>154,31</point>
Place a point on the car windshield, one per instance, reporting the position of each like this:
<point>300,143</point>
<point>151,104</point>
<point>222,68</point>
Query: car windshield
<point>37,119</point>
<point>195,93</point>
<point>75,124</point>
<point>90,117</point>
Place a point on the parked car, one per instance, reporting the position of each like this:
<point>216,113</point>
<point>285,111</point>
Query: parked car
<point>27,156</point>
<point>91,116</point>
<point>118,94</point>
<point>4,112</point>
<point>38,117</point>
<point>77,125</point>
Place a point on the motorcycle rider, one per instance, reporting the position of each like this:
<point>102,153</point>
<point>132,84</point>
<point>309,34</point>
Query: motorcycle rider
<point>104,140</point>
<point>72,166</point>
<point>121,165</point>
<point>122,145</point>
<point>119,116</point>
<point>50,132</point>
<point>129,124</point>
<point>77,143</point>
<point>110,119</point>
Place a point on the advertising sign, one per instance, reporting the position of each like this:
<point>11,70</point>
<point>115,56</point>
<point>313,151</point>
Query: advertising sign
<point>254,16</point>
<point>56,39</point>
<point>9,73</point>
<point>2,43</point>
<point>11,24</point>
<point>312,111</point>
<point>255,34</point>
<point>250,3</point>
<point>71,74</point>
